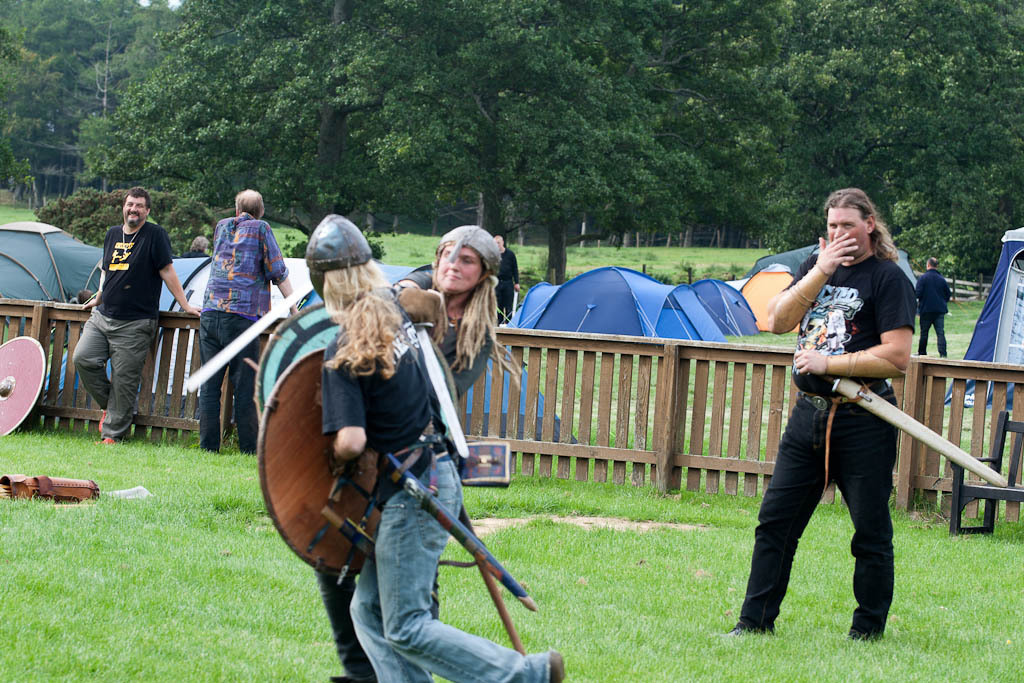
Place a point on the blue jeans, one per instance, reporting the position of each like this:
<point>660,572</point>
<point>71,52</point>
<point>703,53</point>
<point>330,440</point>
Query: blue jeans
<point>863,455</point>
<point>391,607</point>
<point>217,329</point>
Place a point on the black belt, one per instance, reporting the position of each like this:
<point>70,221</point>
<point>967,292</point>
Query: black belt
<point>825,402</point>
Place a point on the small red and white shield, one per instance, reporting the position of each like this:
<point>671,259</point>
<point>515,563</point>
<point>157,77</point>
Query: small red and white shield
<point>22,371</point>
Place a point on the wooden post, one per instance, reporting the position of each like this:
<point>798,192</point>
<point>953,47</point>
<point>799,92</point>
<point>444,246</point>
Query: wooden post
<point>905,463</point>
<point>39,329</point>
<point>668,372</point>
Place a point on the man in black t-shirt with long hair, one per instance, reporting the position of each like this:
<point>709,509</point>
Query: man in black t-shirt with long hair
<point>125,313</point>
<point>856,313</point>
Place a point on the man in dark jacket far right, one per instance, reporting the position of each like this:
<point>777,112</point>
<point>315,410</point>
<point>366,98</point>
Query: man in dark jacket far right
<point>932,295</point>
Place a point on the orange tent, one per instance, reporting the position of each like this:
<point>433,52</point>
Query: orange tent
<point>759,290</point>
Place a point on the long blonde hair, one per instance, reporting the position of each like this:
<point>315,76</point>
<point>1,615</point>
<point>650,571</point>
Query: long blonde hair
<point>360,301</point>
<point>479,319</point>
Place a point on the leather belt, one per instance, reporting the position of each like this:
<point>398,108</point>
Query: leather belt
<point>831,403</point>
<point>826,402</point>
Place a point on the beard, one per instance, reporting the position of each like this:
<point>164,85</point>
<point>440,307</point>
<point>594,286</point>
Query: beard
<point>134,220</point>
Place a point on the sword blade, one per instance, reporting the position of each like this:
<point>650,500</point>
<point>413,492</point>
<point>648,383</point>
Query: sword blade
<point>222,358</point>
<point>436,375</point>
<point>873,403</point>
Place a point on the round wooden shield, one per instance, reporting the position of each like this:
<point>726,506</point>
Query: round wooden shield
<point>295,473</point>
<point>22,371</point>
<point>311,330</point>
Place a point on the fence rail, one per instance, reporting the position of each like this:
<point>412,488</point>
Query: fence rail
<point>965,290</point>
<point>627,410</point>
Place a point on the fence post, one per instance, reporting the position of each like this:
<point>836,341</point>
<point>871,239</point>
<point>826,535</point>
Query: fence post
<point>905,464</point>
<point>39,329</point>
<point>668,372</point>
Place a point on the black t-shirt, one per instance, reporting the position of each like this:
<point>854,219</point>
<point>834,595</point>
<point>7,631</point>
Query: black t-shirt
<point>508,270</point>
<point>854,307</point>
<point>394,412</point>
<point>132,263</point>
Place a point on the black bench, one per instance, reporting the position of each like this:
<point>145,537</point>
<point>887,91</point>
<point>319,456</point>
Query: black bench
<point>964,493</point>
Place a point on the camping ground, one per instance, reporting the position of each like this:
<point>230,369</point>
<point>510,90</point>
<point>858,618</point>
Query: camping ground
<point>194,583</point>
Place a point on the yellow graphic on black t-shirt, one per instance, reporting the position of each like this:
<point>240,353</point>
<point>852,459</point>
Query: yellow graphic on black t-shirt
<point>122,252</point>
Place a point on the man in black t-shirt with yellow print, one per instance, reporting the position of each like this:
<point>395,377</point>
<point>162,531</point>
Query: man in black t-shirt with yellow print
<point>124,321</point>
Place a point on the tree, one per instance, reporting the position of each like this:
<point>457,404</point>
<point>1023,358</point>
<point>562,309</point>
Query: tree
<point>77,55</point>
<point>252,94</point>
<point>631,111</point>
<point>917,102</point>
<point>12,170</point>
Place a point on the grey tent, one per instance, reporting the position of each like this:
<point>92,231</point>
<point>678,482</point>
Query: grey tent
<point>44,263</point>
<point>793,259</point>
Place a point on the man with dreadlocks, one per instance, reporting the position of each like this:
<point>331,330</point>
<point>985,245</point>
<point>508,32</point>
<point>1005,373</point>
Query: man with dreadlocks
<point>856,315</point>
<point>376,395</point>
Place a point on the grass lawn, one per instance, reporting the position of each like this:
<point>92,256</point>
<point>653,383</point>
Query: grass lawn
<point>195,584</point>
<point>668,264</point>
<point>12,214</point>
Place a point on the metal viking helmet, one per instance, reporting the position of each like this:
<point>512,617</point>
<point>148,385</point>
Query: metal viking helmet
<point>479,240</point>
<point>336,243</point>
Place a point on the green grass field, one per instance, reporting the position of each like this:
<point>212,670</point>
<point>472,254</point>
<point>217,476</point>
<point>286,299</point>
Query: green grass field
<point>12,214</point>
<point>669,264</point>
<point>195,584</point>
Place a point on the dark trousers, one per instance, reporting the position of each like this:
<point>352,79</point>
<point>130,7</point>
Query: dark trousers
<point>505,293</point>
<point>337,599</point>
<point>928,320</point>
<point>125,344</point>
<point>217,329</point>
<point>862,458</point>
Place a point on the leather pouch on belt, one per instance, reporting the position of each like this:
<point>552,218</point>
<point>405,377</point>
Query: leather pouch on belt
<point>55,488</point>
<point>489,464</point>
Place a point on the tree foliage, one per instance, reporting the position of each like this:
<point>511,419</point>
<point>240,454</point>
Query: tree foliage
<point>633,112</point>
<point>917,102</point>
<point>12,170</point>
<point>77,54</point>
<point>89,213</point>
<point>253,94</point>
<point>641,115</point>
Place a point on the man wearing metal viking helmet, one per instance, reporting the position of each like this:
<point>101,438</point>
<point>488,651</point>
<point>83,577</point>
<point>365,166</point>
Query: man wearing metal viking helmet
<point>376,396</point>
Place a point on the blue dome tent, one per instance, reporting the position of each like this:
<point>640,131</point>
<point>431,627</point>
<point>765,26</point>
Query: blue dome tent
<point>728,308</point>
<point>613,300</point>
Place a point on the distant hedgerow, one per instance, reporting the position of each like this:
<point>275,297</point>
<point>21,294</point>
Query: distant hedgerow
<point>89,213</point>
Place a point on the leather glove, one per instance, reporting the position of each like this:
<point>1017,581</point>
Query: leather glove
<point>425,306</point>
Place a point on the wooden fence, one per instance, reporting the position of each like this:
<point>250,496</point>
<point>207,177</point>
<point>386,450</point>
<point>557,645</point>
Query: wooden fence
<point>675,414</point>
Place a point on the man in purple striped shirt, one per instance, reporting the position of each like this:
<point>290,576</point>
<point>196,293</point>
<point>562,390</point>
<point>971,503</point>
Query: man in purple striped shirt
<point>246,260</point>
